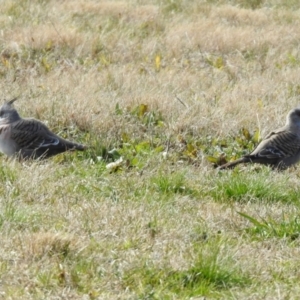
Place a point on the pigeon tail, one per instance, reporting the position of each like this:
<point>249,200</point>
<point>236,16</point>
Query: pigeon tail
<point>232,164</point>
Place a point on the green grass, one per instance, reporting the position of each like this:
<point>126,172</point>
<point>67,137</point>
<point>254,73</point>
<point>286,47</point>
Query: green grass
<point>258,186</point>
<point>208,274</point>
<point>270,228</point>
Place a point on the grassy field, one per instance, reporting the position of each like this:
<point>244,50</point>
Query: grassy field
<point>160,91</point>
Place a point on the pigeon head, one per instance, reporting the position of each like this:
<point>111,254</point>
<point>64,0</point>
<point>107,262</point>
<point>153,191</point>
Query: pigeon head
<point>8,114</point>
<point>293,117</point>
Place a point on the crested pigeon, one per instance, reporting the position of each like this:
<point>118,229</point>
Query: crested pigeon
<point>29,138</point>
<point>279,149</point>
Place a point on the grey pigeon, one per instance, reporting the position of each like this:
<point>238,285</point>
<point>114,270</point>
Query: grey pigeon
<point>29,138</point>
<point>280,149</point>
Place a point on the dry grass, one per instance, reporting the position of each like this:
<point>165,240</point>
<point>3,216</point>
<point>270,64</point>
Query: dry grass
<point>162,84</point>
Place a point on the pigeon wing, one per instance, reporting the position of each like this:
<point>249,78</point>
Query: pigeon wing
<point>31,134</point>
<point>278,145</point>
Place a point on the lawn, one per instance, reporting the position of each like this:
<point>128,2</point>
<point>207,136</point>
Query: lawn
<point>161,91</point>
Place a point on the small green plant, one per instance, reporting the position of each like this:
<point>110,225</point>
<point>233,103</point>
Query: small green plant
<point>216,62</point>
<point>147,117</point>
<point>172,6</point>
<point>265,228</point>
<point>172,184</point>
<point>234,147</point>
<point>257,186</point>
<point>206,275</point>
<point>253,4</point>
